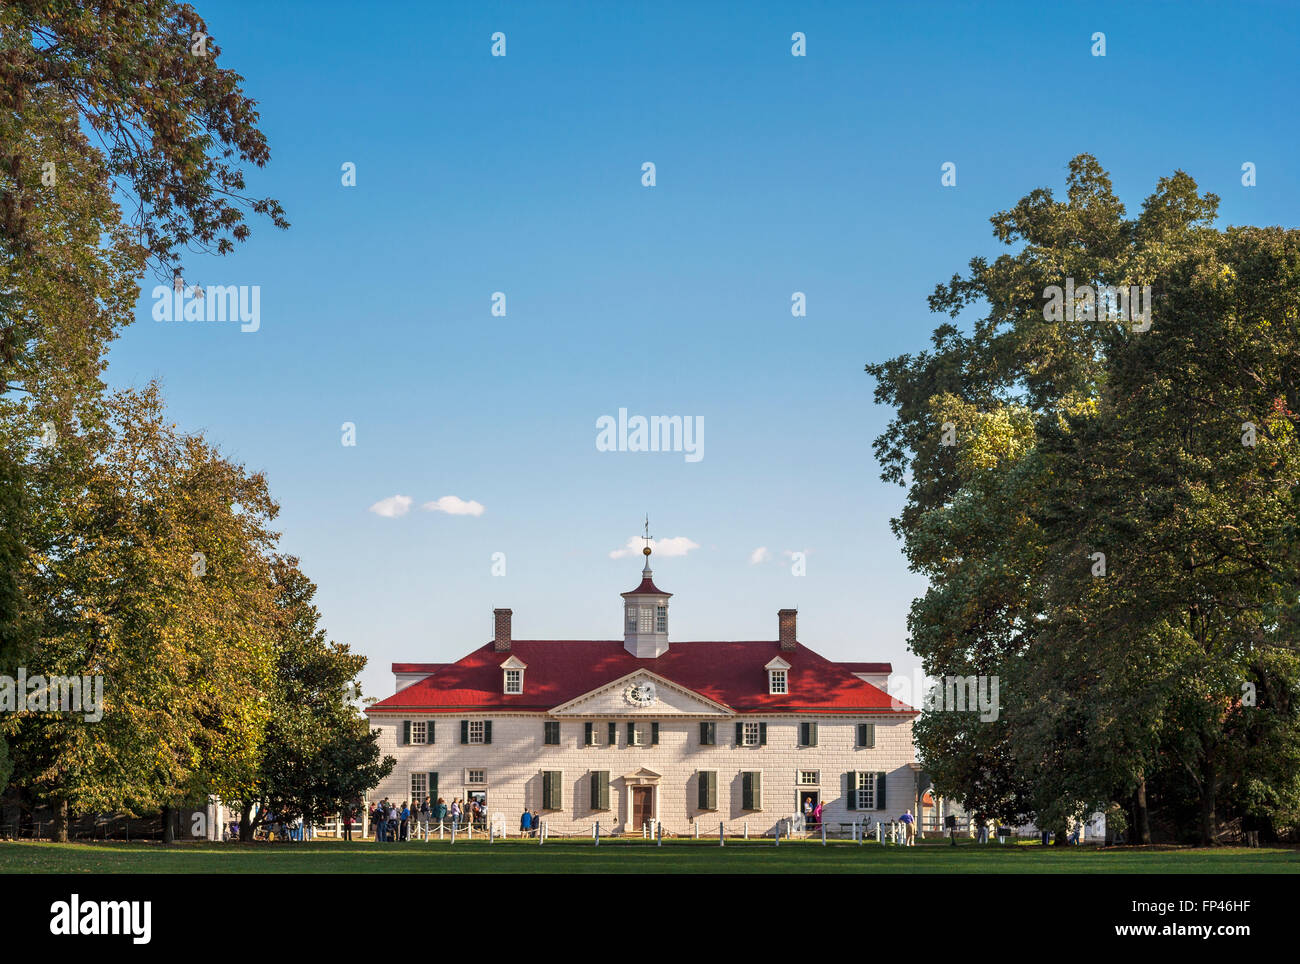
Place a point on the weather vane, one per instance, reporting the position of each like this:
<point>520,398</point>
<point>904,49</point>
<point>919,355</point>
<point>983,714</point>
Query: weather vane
<point>647,537</point>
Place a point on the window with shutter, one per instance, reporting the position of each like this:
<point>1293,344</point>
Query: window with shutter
<point>551,733</point>
<point>487,731</point>
<point>740,734</point>
<point>464,731</point>
<point>430,731</point>
<point>762,734</point>
<point>589,734</point>
<point>708,734</point>
<point>751,790</point>
<point>613,734</point>
<point>851,790</point>
<point>551,790</point>
<point>812,735</point>
<point>406,731</point>
<point>880,791</point>
<point>654,734</point>
<point>599,789</point>
<point>631,735</point>
<point>708,795</point>
<point>866,735</point>
<point>433,785</point>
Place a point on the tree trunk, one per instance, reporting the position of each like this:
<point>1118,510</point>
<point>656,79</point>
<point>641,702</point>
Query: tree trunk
<point>245,822</point>
<point>169,835</point>
<point>1142,822</point>
<point>59,832</point>
<point>1209,784</point>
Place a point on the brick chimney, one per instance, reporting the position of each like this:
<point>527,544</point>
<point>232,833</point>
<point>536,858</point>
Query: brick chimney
<point>501,643</point>
<point>785,619</point>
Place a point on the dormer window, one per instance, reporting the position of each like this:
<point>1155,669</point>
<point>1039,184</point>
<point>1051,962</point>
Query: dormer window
<point>778,678</point>
<point>512,673</point>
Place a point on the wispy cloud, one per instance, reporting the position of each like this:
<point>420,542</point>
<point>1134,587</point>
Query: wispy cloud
<point>452,505</point>
<point>392,507</point>
<point>759,555</point>
<point>676,546</point>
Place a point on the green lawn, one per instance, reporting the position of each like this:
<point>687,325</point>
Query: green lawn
<point>631,857</point>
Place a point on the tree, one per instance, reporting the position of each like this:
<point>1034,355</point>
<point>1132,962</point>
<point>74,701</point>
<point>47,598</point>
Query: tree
<point>319,753</point>
<point>1097,536</point>
<point>152,575</point>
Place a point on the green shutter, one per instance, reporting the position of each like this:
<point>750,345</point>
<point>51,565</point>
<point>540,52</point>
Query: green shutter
<point>430,729</point>
<point>654,734</point>
<point>812,734</point>
<point>551,797</point>
<point>599,789</point>
<point>758,790</point>
<point>740,734</point>
<point>464,731</point>
<point>746,791</point>
<point>588,734</point>
<point>406,731</point>
<point>762,734</point>
<point>487,731</point>
<point>631,734</point>
<point>880,791</point>
<point>433,787</point>
<point>851,794</point>
<point>613,734</point>
<point>708,796</point>
<point>862,735</point>
<point>867,735</point>
<point>704,734</point>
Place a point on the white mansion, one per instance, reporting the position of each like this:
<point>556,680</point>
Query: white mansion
<point>630,731</point>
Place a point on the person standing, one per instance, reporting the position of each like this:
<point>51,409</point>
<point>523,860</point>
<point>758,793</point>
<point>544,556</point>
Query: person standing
<point>526,824</point>
<point>440,812</point>
<point>817,814</point>
<point>909,828</point>
<point>455,813</point>
<point>347,823</point>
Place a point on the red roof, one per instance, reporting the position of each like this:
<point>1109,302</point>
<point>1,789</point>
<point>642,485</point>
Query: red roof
<point>429,668</point>
<point>731,673</point>
<point>647,585</point>
<point>868,667</point>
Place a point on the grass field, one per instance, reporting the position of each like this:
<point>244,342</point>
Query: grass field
<point>631,857</point>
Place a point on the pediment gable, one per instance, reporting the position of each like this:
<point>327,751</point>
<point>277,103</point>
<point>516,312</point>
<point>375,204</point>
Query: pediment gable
<point>641,693</point>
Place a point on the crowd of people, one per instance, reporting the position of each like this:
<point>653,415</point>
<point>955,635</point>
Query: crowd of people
<point>394,822</point>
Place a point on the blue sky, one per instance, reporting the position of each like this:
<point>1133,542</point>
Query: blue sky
<point>775,174</point>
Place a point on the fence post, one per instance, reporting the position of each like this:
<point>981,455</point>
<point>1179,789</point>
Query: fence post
<point>597,833</point>
<point>823,833</point>
<point>697,830</point>
<point>746,829</point>
<point>659,831</point>
<point>777,835</point>
<point>721,841</point>
<point>491,834</point>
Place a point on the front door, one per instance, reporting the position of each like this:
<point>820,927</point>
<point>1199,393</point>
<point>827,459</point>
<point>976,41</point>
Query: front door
<point>642,813</point>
